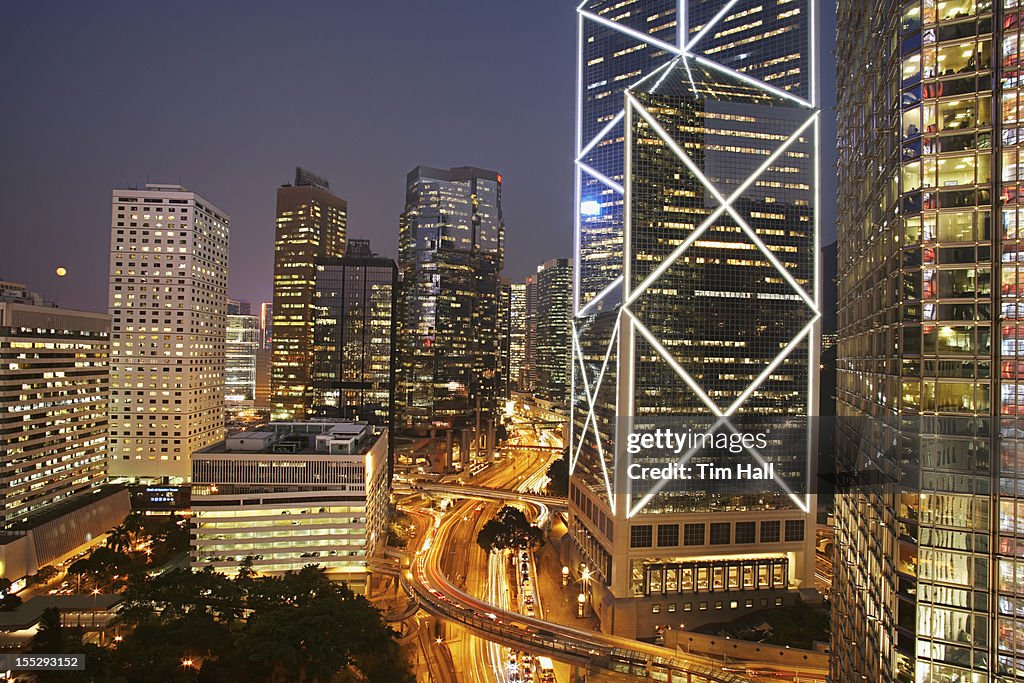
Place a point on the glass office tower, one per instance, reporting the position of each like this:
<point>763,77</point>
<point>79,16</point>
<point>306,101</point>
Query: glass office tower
<point>311,224</point>
<point>242,343</point>
<point>554,330</point>
<point>354,334</point>
<point>697,297</point>
<point>451,251</point>
<point>929,578</point>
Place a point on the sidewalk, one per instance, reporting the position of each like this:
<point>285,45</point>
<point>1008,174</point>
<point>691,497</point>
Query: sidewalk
<point>558,603</point>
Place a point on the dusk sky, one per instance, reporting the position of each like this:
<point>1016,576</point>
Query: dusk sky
<point>227,98</point>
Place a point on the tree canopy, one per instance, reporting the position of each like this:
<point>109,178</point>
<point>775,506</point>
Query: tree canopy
<point>509,529</point>
<point>558,474</point>
<point>299,626</point>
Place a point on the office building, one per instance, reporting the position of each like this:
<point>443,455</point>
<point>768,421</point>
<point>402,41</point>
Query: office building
<point>554,330</point>
<point>292,494</point>
<point>266,326</point>
<point>241,346</point>
<point>54,393</point>
<point>451,250</point>
<point>928,576</point>
<point>167,303</point>
<point>529,372</point>
<point>696,302</point>
<point>505,338</point>
<point>516,335</point>
<point>311,223</point>
<point>354,337</point>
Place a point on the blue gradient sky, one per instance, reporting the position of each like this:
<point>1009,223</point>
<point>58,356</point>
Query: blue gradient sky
<point>227,98</point>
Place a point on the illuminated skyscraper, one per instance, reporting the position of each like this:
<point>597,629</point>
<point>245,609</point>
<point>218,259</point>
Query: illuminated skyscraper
<point>354,366</point>
<point>554,330</point>
<point>242,345</point>
<point>55,372</point>
<point>929,577</point>
<point>505,338</point>
<point>451,250</point>
<point>517,335</point>
<point>696,298</point>
<point>266,325</point>
<point>311,224</point>
<point>529,373</point>
<point>168,304</point>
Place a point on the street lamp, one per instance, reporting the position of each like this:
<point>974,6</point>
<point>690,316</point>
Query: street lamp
<point>565,577</point>
<point>581,604</point>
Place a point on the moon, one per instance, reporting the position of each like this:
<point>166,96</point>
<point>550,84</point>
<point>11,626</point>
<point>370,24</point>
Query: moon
<point>61,271</point>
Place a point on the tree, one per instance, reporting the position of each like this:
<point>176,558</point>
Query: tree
<point>44,576</point>
<point>558,474</point>
<point>328,630</point>
<point>299,626</point>
<point>51,636</point>
<point>509,529</point>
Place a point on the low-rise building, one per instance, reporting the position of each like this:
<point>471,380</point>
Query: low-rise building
<point>292,494</point>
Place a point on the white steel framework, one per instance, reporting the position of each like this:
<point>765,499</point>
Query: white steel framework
<point>627,325</point>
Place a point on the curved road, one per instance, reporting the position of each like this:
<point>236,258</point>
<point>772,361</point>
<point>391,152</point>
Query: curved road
<point>439,596</point>
<point>427,580</point>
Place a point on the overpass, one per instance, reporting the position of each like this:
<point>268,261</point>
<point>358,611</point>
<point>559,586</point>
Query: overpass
<point>487,493</point>
<point>594,650</point>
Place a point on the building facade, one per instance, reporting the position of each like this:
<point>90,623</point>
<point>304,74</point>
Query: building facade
<point>529,373</point>
<point>292,494</point>
<point>517,330</point>
<point>266,326</point>
<point>311,224</point>
<point>696,301</point>
<point>241,346</point>
<point>354,337</point>
<point>505,338</point>
<point>451,251</point>
<point>54,393</point>
<point>168,304</point>
<point>929,581</point>
<point>554,330</point>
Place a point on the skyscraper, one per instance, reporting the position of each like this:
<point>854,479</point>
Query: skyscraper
<point>266,325</point>
<point>241,346</point>
<point>54,389</point>
<point>505,337</point>
<point>554,330</point>
<point>311,224</point>
<point>529,374</point>
<point>517,335</point>
<point>354,336</point>
<point>168,302</point>
<point>451,251</point>
<point>696,300</point>
<point>929,579</point>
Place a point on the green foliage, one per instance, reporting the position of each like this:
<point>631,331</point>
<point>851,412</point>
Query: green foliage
<point>296,627</point>
<point>558,473</point>
<point>400,530</point>
<point>51,636</point>
<point>44,575</point>
<point>178,593</point>
<point>509,529</point>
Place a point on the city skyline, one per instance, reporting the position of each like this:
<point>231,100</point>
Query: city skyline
<point>243,177</point>
<point>553,418</point>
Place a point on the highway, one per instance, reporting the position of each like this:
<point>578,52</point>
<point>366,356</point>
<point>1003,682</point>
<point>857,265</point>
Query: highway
<point>447,548</point>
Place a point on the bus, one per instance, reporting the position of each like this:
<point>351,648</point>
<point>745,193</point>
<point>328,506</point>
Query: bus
<point>545,670</point>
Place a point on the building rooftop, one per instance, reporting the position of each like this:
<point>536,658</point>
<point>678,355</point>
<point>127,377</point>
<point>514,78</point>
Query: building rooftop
<point>306,437</point>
